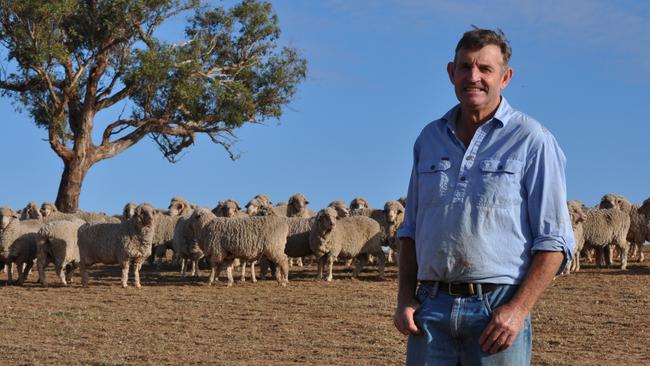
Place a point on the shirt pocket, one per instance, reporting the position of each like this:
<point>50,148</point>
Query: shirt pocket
<point>434,181</point>
<point>499,183</point>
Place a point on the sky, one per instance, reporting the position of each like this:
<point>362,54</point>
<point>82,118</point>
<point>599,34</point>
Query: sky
<point>376,77</point>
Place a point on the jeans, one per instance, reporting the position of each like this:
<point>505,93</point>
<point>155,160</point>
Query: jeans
<point>451,327</point>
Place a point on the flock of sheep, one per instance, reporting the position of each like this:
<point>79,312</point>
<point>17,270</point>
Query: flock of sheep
<point>265,234</point>
<point>223,237</point>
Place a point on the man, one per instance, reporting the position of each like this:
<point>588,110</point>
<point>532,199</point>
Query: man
<point>486,226</point>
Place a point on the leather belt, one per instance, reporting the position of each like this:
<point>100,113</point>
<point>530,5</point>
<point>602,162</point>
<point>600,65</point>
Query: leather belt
<point>462,289</point>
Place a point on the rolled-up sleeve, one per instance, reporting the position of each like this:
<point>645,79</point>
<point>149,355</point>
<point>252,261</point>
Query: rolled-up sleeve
<point>407,229</point>
<point>548,214</point>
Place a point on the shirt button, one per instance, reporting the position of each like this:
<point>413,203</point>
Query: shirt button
<point>462,179</point>
<point>433,167</point>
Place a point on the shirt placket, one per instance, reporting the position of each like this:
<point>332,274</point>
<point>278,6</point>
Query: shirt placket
<point>467,162</point>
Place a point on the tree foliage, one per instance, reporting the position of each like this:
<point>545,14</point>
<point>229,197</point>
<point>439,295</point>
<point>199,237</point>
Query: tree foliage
<point>68,60</point>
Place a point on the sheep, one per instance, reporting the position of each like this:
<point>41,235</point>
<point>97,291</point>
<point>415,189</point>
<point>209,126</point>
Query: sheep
<point>17,243</point>
<point>603,227</point>
<point>639,231</point>
<point>31,212</point>
<point>402,201</point>
<point>341,208</point>
<point>577,215</point>
<point>124,243</point>
<point>247,238</point>
<point>358,202</point>
<point>350,237</point>
<point>178,206</point>
<point>185,246</point>
<point>297,206</point>
<point>393,218</point>
<point>50,213</point>
<point>57,243</point>
<point>297,245</point>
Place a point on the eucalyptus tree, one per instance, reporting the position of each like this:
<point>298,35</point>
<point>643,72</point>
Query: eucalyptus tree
<point>67,60</point>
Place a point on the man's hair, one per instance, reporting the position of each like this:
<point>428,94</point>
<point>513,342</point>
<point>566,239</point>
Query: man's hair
<point>478,38</point>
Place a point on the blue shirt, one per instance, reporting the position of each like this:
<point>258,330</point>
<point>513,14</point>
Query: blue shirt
<point>478,213</point>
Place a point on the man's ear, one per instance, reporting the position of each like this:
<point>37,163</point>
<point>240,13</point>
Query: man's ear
<point>506,77</point>
<point>450,71</point>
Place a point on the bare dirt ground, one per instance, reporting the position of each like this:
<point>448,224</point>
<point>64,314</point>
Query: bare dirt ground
<point>595,317</point>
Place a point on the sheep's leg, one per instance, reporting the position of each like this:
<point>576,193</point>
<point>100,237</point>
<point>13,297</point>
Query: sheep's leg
<point>641,256</point>
<point>27,269</point>
<point>229,273</point>
<point>330,260</point>
<point>69,270</point>
<point>213,269</point>
<point>41,263</point>
<point>243,270</point>
<point>381,265</point>
<point>195,268</point>
<point>10,273</point>
<point>624,249</point>
<point>136,273</point>
<point>183,267</point>
<point>84,274</point>
<point>253,278</point>
<point>299,262</point>
<point>282,269</point>
<point>125,273</point>
<point>58,268</point>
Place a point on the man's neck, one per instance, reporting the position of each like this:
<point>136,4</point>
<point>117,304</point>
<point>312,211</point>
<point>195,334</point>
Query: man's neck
<point>469,120</point>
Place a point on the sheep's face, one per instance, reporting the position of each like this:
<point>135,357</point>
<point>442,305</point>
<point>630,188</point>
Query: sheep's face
<point>266,211</point>
<point>230,208</point>
<point>46,209</point>
<point>358,203</point>
<point>145,214</point>
<point>645,208</point>
<point>326,218</point>
<point>129,211</point>
<point>298,202</point>
<point>253,206</point>
<point>178,206</point>
<point>393,212</point>
<point>263,200</point>
<point>608,201</point>
<point>576,213</point>
<point>7,215</point>
<point>32,211</point>
<point>200,217</point>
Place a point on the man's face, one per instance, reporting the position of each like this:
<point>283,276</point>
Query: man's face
<point>478,77</point>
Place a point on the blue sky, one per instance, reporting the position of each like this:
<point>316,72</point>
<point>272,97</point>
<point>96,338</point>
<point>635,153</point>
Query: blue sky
<point>376,78</point>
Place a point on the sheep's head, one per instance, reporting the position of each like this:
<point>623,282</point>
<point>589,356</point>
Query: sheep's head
<point>645,208</point>
<point>7,215</point>
<point>47,208</point>
<point>341,210</point>
<point>31,211</point>
<point>145,214</point>
<point>358,202</point>
<point>576,212</point>
<point>394,212</point>
<point>178,206</point>
<point>253,206</point>
<point>200,217</point>
<point>266,211</point>
<point>227,208</point>
<point>298,202</point>
<point>326,219</point>
<point>402,201</point>
<point>128,211</point>
<point>611,200</point>
<point>263,199</point>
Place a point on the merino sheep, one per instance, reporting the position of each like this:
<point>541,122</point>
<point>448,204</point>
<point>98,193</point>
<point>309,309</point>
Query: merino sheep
<point>639,231</point>
<point>178,206</point>
<point>603,227</point>
<point>47,208</point>
<point>247,238</point>
<point>57,243</point>
<point>186,248</point>
<point>31,212</point>
<point>50,213</point>
<point>124,243</point>
<point>297,245</point>
<point>578,217</point>
<point>17,243</point>
<point>402,201</point>
<point>128,211</point>
<point>297,206</point>
<point>358,202</point>
<point>350,237</point>
<point>393,217</point>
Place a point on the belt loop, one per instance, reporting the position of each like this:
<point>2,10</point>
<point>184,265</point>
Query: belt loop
<point>479,290</point>
<point>434,291</point>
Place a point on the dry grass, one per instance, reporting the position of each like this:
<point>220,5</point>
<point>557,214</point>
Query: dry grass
<point>590,318</point>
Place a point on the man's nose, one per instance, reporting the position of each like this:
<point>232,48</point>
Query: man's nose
<point>474,74</point>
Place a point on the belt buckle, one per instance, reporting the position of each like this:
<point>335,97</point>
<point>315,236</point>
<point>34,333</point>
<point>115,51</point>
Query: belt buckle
<point>470,289</point>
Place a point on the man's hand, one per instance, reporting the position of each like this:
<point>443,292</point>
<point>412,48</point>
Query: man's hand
<point>403,318</point>
<point>501,332</point>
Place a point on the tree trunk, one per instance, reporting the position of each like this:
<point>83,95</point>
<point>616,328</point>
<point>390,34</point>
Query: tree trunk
<point>67,200</point>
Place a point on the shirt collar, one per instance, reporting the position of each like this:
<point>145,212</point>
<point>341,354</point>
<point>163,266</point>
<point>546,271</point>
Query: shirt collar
<point>503,114</point>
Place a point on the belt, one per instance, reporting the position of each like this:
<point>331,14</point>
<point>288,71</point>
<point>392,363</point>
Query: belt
<point>462,289</point>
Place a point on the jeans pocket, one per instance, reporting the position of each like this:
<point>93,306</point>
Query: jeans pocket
<point>486,303</point>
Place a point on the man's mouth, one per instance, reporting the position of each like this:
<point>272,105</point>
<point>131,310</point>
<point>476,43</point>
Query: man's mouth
<point>473,89</point>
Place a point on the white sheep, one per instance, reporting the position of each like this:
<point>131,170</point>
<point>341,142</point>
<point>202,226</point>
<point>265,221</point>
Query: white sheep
<point>393,218</point>
<point>297,206</point>
<point>341,208</point>
<point>230,208</point>
<point>576,213</point>
<point>247,238</point>
<point>124,243</point>
<point>57,243</point>
<point>186,248</point>
<point>17,243</point>
<point>350,237</point>
<point>639,231</point>
<point>358,202</point>
<point>31,212</point>
<point>603,227</point>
